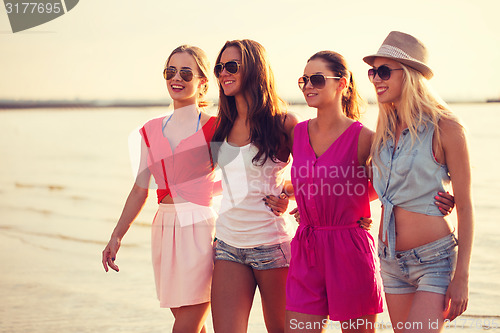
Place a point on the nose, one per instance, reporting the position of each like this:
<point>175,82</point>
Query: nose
<point>224,71</point>
<point>177,76</point>
<point>376,78</point>
<point>308,85</point>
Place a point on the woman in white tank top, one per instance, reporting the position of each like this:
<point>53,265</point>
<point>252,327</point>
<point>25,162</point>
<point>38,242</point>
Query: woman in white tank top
<point>252,146</point>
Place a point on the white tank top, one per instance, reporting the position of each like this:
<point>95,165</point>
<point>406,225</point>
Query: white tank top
<point>244,220</point>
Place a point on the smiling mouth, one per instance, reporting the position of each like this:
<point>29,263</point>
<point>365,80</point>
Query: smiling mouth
<point>228,82</point>
<point>381,90</point>
<point>177,87</point>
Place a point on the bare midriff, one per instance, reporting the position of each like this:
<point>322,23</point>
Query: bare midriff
<point>415,229</point>
<point>169,200</point>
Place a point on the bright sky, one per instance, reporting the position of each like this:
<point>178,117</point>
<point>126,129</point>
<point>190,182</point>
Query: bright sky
<point>107,49</point>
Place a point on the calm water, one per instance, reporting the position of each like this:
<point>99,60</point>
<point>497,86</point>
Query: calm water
<point>64,177</point>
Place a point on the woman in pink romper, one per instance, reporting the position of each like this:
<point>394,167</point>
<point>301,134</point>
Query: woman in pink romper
<point>333,272</point>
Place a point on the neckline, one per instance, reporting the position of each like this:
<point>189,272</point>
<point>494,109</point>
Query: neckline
<point>331,145</point>
<point>165,125</point>
<point>235,146</point>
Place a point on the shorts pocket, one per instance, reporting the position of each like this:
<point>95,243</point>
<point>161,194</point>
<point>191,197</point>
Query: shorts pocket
<point>429,258</point>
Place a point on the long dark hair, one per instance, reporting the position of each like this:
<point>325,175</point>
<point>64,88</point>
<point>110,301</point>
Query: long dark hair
<point>351,100</point>
<point>266,110</point>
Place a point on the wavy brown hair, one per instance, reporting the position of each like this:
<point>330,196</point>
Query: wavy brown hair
<point>266,110</point>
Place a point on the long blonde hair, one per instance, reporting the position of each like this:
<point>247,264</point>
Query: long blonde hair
<point>419,105</point>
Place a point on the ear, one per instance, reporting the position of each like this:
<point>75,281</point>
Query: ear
<point>343,83</point>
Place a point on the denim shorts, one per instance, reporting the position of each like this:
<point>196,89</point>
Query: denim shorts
<point>425,268</point>
<point>260,258</point>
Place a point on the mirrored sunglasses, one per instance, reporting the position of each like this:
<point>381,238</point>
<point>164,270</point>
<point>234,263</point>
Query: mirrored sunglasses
<point>185,73</point>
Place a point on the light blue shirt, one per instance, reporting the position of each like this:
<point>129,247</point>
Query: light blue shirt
<point>408,177</point>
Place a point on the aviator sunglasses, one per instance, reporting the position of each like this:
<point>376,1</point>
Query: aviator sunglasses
<point>318,81</point>
<point>230,66</point>
<point>186,73</point>
<point>383,72</point>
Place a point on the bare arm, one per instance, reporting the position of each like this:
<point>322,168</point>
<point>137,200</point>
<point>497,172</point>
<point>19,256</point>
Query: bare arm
<point>135,201</point>
<point>290,122</point>
<point>279,205</point>
<point>456,155</point>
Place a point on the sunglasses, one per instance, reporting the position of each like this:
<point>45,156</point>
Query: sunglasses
<point>231,67</point>
<point>185,73</point>
<point>318,81</point>
<point>383,72</point>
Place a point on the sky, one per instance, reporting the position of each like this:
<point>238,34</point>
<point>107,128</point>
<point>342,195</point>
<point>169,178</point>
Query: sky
<point>115,49</point>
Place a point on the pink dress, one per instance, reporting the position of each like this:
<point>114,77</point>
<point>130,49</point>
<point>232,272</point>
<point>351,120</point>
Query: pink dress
<point>334,270</point>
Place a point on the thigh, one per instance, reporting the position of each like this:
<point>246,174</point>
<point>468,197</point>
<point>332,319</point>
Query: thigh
<point>190,319</point>
<point>426,312</point>
<point>233,288</point>
<point>272,290</point>
<point>399,306</point>
<point>301,322</point>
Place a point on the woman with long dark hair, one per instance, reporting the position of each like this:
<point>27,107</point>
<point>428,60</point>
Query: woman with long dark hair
<point>252,147</point>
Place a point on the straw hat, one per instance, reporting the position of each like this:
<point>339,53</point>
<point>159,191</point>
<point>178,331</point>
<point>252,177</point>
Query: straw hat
<point>405,49</point>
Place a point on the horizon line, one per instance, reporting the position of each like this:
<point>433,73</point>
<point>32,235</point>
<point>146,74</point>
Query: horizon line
<point>103,103</point>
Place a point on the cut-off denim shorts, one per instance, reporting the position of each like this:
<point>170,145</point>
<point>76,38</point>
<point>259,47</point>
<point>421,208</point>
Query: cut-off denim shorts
<point>260,258</point>
<point>425,268</point>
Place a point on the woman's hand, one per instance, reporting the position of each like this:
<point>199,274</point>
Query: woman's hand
<point>295,213</point>
<point>277,205</point>
<point>445,202</point>
<point>457,298</point>
<point>365,223</point>
<point>109,254</point>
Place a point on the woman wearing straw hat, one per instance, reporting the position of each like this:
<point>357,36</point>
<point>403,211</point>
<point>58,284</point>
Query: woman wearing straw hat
<point>418,148</point>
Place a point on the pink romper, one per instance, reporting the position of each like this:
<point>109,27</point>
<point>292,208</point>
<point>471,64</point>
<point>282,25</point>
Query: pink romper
<point>334,270</point>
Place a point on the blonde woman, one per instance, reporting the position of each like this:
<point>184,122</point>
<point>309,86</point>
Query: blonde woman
<point>418,148</point>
